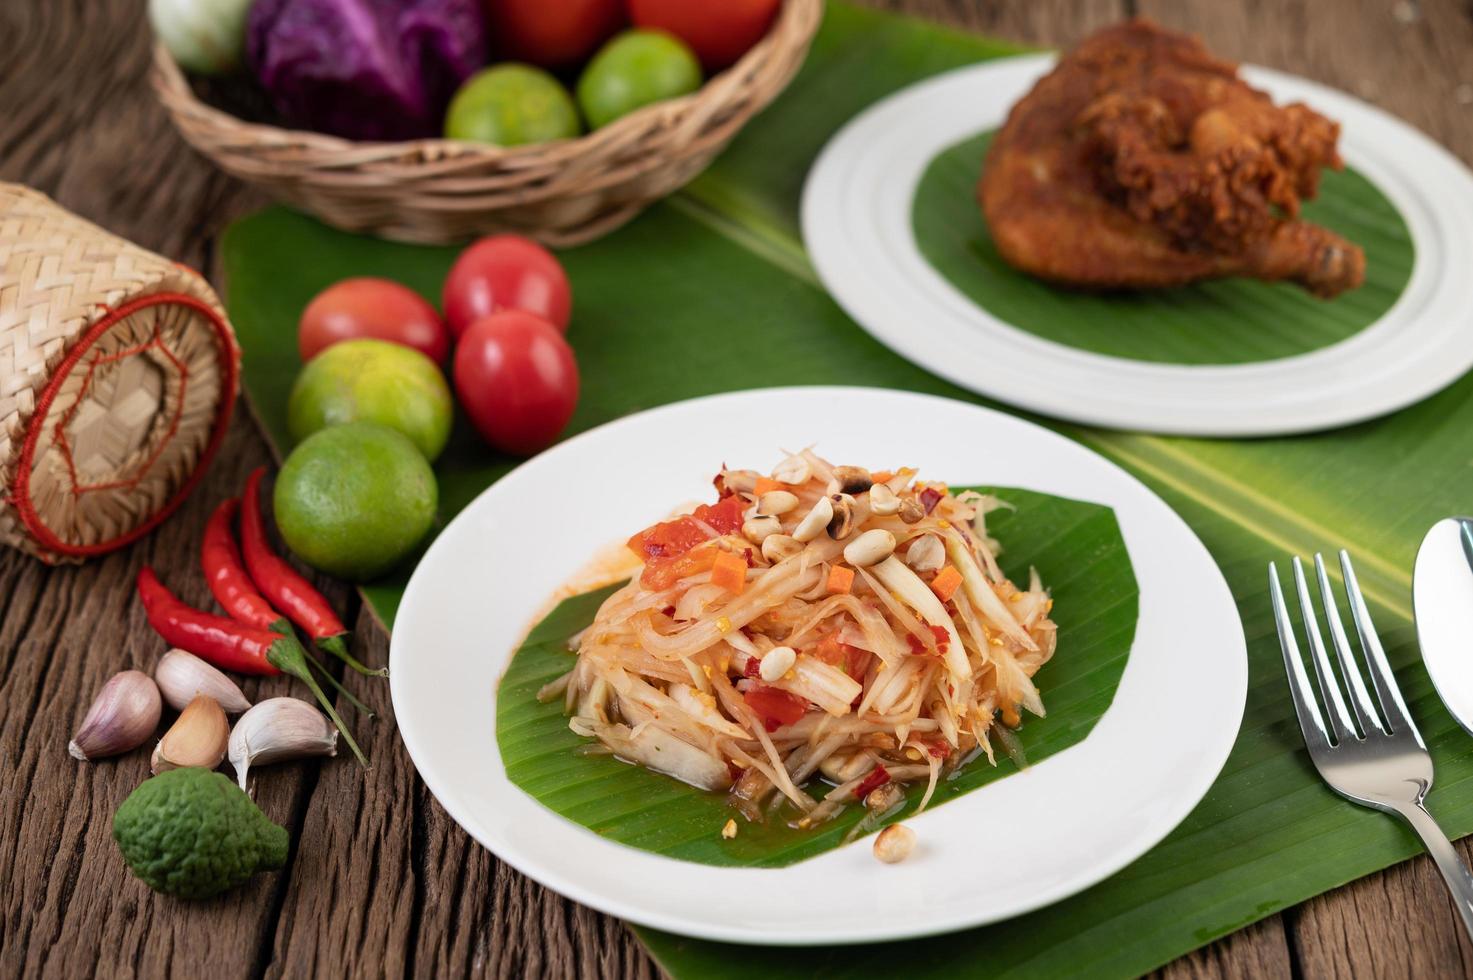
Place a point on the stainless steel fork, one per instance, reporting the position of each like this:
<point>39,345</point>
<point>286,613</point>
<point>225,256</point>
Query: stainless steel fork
<point>1374,758</point>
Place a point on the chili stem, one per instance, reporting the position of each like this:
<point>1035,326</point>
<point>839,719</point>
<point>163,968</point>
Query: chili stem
<point>327,675</point>
<point>338,648</point>
<point>288,655</point>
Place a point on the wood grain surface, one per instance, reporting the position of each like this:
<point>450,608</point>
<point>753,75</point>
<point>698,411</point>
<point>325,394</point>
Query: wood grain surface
<point>381,881</point>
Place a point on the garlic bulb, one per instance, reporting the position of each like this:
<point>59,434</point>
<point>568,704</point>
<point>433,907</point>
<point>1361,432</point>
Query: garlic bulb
<point>182,675</point>
<point>277,729</point>
<point>197,737</point>
<point>122,717</point>
<point>205,36</point>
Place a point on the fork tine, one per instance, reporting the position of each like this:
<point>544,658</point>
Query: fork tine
<point>1360,698</point>
<point>1393,708</point>
<point>1310,722</point>
<point>1329,687</point>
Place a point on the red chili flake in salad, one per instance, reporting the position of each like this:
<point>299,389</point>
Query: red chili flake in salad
<point>753,667</point>
<point>878,776</point>
<point>930,497</point>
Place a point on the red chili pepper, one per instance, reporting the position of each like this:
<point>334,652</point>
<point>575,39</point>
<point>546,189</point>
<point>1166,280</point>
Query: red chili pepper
<point>230,645</point>
<point>284,588</point>
<point>227,578</point>
<point>223,642</point>
<point>930,497</point>
<point>878,776</point>
<point>753,667</point>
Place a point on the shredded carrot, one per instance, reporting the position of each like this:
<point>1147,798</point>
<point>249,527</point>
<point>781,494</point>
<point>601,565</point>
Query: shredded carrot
<point>767,484</point>
<point>841,579</point>
<point>730,572</point>
<point>881,476</point>
<point>946,582</point>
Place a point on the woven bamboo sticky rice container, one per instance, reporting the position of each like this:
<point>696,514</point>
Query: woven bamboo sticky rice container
<point>437,191</point>
<point>117,376</point>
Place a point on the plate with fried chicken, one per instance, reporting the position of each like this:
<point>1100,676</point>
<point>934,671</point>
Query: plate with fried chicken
<point>1138,171</point>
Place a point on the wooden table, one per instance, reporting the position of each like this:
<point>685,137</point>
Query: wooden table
<point>380,880</point>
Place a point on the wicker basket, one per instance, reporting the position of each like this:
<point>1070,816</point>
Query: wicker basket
<point>441,191</point>
<point>117,377</point>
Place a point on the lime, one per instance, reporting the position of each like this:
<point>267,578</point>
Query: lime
<point>633,70</point>
<point>373,381</point>
<point>509,105</point>
<point>353,500</point>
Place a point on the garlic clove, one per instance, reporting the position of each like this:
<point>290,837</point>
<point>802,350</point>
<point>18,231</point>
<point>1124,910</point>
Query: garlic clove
<point>181,676</point>
<point>197,738</point>
<point>122,717</point>
<point>278,729</point>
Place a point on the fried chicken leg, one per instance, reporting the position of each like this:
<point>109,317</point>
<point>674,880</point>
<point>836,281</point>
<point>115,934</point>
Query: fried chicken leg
<point>1143,161</point>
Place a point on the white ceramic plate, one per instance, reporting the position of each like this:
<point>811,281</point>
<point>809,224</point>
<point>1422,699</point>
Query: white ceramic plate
<point>1005,848</point>
<point>857,228</point>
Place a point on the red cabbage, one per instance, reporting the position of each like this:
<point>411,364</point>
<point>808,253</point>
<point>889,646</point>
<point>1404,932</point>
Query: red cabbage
<point>365,69</point>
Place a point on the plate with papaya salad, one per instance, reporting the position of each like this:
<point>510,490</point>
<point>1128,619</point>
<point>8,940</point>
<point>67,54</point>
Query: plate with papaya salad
<point>936,664</point>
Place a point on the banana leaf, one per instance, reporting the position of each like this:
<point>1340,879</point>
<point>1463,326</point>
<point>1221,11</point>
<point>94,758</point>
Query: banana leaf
<point>1228,321</point>
<point>1076,548</point>
<point>711,291</point>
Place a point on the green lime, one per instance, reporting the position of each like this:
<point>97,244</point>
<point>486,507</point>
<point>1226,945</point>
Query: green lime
<point>373,381</point>
<point>512,104</point>
<point>353,500</point>
<point>194,833</point>
<point>633,70</point>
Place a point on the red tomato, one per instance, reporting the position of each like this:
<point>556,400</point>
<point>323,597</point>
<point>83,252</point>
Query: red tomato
<point>377,308</point>
<point>775,706</point>
<point>553,33</point>
<point>506,272</point>
<point>669,550</point>
<point>668,539</point>
<point>517,380</point>
<point>719,32</point>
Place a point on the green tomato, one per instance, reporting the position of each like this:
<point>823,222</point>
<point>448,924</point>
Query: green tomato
<point>511,105</point>
<point>194,833</point>
<point>633,70</point>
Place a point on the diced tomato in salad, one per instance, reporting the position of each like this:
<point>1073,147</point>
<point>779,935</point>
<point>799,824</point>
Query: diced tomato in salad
<point>670,548</point>
<point>775,706</point>
<point>850,659</point>
<point>942,637</point>
<point>937,748</point>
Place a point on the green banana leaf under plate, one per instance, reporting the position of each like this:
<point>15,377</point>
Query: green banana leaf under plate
<point>712,291</point>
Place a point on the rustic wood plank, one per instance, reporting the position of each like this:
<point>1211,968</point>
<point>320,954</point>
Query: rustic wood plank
<point>382,881</point>
<point>71,907</point>
<point>1414,59</point>
<point>1047,23</point>
<point>75,117</point>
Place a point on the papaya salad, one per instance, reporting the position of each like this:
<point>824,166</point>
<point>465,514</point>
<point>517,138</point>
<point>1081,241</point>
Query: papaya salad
<point>820,636</point>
